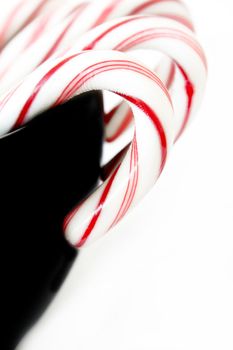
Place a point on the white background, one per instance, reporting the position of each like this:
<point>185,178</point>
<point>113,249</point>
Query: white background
<point>163,280</point>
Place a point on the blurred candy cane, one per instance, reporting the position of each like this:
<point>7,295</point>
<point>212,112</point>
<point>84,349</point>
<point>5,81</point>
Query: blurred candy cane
<point>57,81</point>
<point>16,15</point>
<point>50,34</point>
<point>30,36</point>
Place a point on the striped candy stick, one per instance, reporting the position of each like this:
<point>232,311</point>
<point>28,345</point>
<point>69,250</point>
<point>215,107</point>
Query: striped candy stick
<point>41,40</point>
<point>57,81</point>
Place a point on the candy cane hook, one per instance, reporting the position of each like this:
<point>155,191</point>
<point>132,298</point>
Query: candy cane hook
<point>57,81</point>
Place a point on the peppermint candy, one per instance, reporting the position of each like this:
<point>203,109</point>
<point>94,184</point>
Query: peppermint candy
<point>64,50</point>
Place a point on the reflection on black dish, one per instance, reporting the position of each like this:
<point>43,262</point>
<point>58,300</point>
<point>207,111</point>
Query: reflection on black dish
<point>46,168</point>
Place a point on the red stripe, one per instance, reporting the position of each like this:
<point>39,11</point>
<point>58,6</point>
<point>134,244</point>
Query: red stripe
<point>128,20</point>
<point>119,213</point>
<point>7,24</point>
<point>129,116</point>
<point>63,34</point>
<point>106,13</point>
<point>189,88</point>
<point>35,13</point>
<point>152,33</point>
<point>90,75</point>
<point>152,115</point>
<point>186,22</point>
<point>98,209</point>
<point>146,4</point>
<point>171,75</point>
<point>103,66</point>
<point>37,89</point>
<point>109,30</point>
<point>135,179</point>
<point>42,26</point>
<point>108,168</point>
<point>38,31</point>
<point>108,116</point>
<point>7,97</point>
<point>126,204</point>
<point>35,35</point>
<point>123,126</point>
<point>12,16</point>
<point>70,216</point>
<point>78,8</point>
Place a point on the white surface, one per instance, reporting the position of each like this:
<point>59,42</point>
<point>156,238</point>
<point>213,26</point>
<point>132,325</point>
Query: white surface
<point>164,278</point>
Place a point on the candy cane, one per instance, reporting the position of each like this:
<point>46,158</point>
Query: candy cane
<point>59,80</point>
<point>36,44</point>
<point>122,119</point>
<point>163,35</point>
<point>166,35</point>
